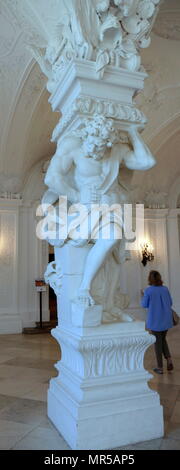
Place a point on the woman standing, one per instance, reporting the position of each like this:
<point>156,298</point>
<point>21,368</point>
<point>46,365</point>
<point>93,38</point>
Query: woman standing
<point>158,301</point>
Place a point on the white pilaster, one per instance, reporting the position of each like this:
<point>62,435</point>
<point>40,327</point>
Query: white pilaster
<point>32,262</point>
<point>174,255</point>
<point>10,319</point>
<point>156,234</point>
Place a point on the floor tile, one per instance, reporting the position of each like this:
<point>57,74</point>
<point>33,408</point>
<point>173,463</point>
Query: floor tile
<point>6,401</point>
<point>173,430</point>
<point>17,388</point>
<point>39,392</point>
<point>38,363</point>
<point>42,439</point>
<point>24,411</point>
<point>11,433</point>
<point>154,444</point>
<point>170,444</point>
<point>26,366</point>
<point>175,418</point>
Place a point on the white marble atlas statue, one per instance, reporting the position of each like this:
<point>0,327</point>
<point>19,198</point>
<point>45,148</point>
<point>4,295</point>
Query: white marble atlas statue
<point>85,168</point>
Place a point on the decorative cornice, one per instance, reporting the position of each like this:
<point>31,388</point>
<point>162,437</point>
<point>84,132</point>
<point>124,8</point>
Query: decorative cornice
<point>154,214</point>
<point>79,72</point>
<point>155,199</point>
<point>10,196</point>
<point>88,107</point>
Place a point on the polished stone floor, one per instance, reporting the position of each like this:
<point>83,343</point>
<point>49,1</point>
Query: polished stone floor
<point>27,364</point>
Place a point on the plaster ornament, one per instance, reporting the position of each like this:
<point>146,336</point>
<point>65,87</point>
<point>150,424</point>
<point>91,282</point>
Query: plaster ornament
<point>124,6</point>
<point>144,43</point>
<point>92,106</point>
<point>132,25</point>
<point>156,199</point>
<point>96,31</point>
<point>53,277</point>
<point>130,60</point>
<point>9,195</point>
<point>110,32</point>
<point>103,59</point>
<point>102,6</point>
<point>145,9</point>
<point>86,168</point>
<point>156,2</point>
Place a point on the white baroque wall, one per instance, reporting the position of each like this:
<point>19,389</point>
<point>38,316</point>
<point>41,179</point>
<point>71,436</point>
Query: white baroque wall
<point>27,256</point>
<point>10,320</point>
<point>32,262</point>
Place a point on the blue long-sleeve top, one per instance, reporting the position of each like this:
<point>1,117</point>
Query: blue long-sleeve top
<point>158,301</point>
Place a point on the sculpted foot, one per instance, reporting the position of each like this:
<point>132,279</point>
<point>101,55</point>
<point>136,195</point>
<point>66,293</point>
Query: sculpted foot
<point>85,298</point>
<point>118,313</point>
<point>126,318</point>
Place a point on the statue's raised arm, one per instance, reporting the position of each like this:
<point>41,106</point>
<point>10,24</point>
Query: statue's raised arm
<point>139,157</point>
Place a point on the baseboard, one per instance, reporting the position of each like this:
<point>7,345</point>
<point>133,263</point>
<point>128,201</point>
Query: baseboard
<point>28,324</point>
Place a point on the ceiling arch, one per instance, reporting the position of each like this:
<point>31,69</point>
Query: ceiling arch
<point>26,119</point>
<point>165,146</point>
<point>31,123</point>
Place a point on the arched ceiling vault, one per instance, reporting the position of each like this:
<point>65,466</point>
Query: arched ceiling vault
<point>165,146</point>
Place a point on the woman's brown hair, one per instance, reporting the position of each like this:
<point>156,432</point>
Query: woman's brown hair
<point>154,279</point>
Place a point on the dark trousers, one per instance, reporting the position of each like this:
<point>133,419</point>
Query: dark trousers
<point>161,347</point>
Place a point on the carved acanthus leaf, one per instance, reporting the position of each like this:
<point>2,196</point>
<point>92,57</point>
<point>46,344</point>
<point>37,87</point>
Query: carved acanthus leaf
<point>105,357</point>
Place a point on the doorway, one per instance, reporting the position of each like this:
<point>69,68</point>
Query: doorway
<point>52,296</point>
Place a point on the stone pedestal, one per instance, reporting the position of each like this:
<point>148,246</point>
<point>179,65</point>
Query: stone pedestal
<point>101,398</point>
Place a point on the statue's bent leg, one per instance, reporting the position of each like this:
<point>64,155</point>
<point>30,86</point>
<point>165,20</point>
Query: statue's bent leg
<point>113,286</point>
<point>94,261</point>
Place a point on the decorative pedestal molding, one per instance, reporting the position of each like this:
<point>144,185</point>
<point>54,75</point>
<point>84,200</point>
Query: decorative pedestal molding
<point>101,399</point>
<point>81,95</point>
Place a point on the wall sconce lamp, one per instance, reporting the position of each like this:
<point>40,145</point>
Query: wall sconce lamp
<point>147,254</point>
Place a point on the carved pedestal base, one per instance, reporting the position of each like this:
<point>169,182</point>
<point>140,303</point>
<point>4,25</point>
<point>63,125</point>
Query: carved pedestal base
<point>86,316</point>
<point>101,399</point>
